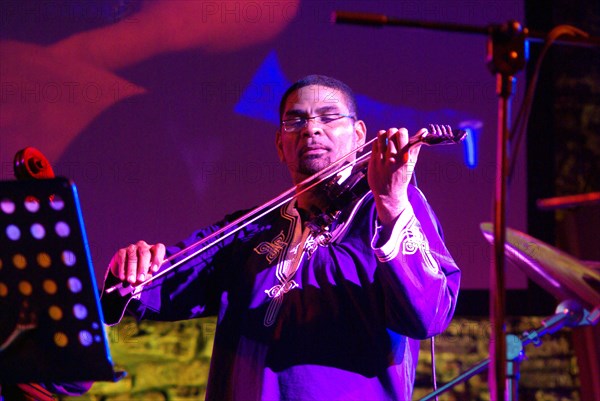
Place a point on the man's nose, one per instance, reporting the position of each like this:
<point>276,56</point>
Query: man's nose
<point>312,128</point>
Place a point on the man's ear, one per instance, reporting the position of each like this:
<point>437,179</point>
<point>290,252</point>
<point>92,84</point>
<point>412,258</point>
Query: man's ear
<point>360,130</point>
<point>279,145</point>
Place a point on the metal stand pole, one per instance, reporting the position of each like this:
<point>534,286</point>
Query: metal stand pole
<point>497,371</point>
<point>506,56</point>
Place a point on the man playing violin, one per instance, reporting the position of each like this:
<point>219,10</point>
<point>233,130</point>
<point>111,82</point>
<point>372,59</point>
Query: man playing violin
<point>311,307</point>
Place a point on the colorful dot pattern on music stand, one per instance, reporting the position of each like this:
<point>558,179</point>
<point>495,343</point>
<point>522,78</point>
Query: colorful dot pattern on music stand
<point>42,265</point>
<point>51,322</point>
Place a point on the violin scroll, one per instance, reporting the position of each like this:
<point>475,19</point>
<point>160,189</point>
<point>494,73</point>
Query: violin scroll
<point>442,135</point>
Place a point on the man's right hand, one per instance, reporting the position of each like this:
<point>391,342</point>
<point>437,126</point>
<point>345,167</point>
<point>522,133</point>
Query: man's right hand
<point>137,262</point>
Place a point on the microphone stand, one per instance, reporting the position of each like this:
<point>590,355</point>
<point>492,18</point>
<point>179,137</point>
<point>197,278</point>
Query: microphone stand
<point>568,313</point>
<point>506,56</point>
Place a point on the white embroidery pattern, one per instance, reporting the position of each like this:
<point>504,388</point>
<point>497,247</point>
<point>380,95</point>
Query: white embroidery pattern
<point>298,244</point>
<point>287,264</point>
<point>272,248</point>
<point>412,239</point>
<point>315,240</point>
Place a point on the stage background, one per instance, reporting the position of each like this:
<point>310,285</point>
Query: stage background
<point>164,113</point>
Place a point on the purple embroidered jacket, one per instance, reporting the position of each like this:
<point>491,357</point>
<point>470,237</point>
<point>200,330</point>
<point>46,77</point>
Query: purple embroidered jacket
<point>303,321</point>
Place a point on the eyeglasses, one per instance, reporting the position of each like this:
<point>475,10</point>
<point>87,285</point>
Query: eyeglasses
<point>297,123</point>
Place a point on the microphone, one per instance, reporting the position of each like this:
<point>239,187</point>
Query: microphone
<point>369,19</point>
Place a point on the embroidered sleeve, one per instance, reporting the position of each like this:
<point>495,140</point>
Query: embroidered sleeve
<point>418,276</point>
<point>407,238</point>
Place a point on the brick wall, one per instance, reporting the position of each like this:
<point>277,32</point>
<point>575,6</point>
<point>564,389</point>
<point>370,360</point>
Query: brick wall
<point>170,361</point>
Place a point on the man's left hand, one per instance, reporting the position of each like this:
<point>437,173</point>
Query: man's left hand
<point>390,170</point>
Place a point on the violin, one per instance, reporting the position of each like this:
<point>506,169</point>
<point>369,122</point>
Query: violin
<point>341,193</point>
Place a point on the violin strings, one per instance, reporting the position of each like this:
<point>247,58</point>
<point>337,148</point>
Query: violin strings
<point>286,196</point>
<point>255,214</point>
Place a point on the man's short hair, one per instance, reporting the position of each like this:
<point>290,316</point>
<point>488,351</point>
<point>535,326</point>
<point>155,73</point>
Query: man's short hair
<point>325,81</point>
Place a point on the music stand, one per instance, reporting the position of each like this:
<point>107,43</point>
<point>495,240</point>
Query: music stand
<point>51,323</point>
